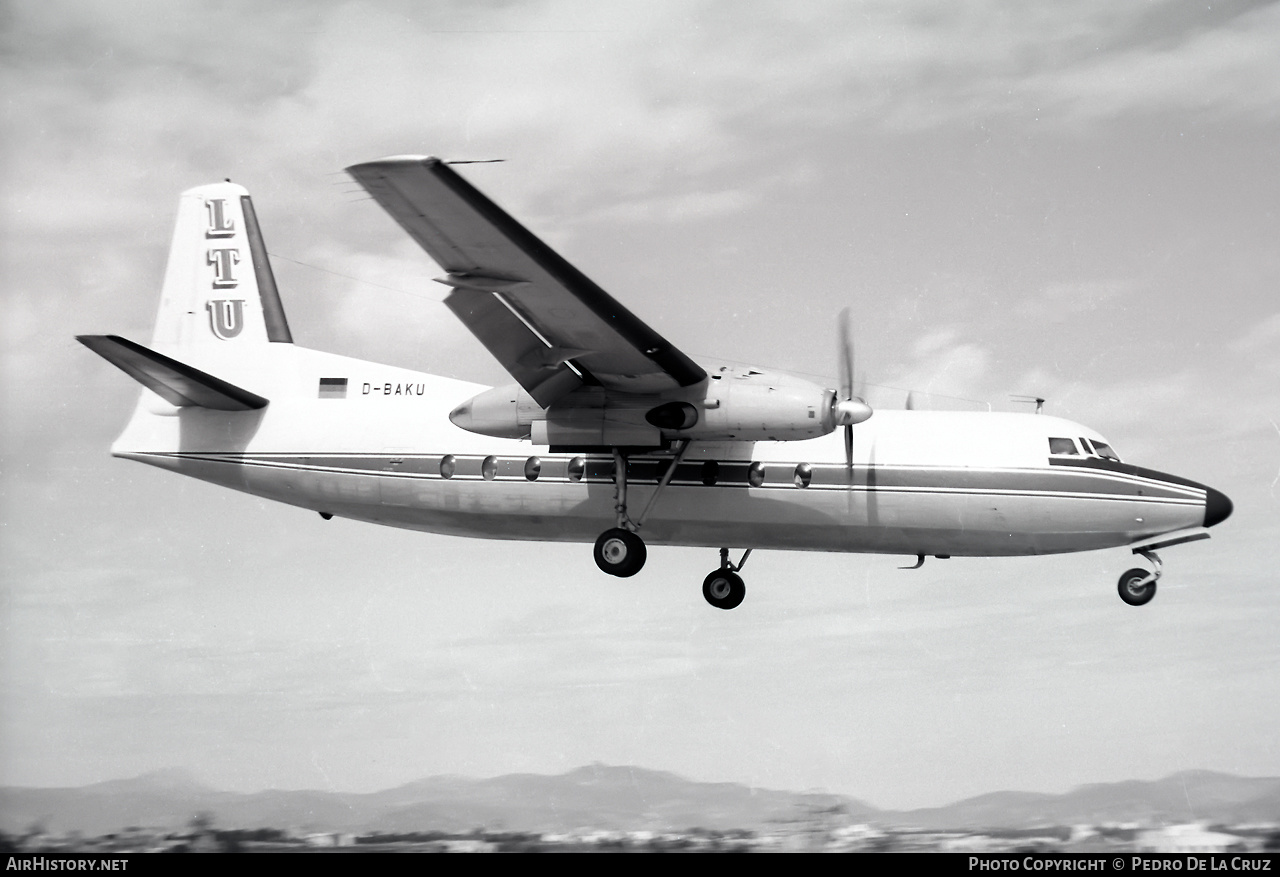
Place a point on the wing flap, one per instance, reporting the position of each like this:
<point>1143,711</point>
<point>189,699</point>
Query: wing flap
<point>175,382</point>
<point>512,343</point>
<point>482,247</point>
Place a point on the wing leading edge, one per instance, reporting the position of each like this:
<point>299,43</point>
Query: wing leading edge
<point>549,325</point>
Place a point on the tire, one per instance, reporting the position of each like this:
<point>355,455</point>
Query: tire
<point>1132,592</point>
<point>620,552</point>
<point>724,589</point>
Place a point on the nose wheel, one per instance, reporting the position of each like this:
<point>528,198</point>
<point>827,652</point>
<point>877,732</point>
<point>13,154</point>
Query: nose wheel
<point>1137,587</point>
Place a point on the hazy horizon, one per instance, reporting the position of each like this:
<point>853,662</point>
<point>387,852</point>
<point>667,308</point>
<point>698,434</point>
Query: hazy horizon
<point>187,775</point>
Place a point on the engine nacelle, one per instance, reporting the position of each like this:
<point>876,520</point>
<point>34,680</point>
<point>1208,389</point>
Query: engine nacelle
<point>735,403</point>
<point>747,404</point>
<point>505,412</point>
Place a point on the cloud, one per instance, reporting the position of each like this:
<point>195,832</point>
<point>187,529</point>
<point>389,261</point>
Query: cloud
<point>1062,300</point>
<point>942,370</point>
<point>1261,343</point>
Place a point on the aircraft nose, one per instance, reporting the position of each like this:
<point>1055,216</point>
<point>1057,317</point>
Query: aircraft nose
<point>1217,507</point>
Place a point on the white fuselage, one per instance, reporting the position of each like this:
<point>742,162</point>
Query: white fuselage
<point>381,448</point>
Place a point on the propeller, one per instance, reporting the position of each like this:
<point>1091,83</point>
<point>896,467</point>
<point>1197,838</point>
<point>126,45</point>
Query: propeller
<point>846,408</point>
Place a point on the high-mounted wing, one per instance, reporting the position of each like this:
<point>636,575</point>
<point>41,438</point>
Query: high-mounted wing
<point>535,312</point>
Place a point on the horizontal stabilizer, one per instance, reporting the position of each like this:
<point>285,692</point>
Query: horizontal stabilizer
<point>176,383</point>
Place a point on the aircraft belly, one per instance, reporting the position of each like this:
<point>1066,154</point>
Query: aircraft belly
<point>892,517</point>
<point>732,516</point>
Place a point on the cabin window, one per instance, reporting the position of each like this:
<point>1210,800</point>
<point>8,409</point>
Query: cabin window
<point>448,465</point>
<point>804,474</point>
<point>577,467</point>
<point>710,473</point>
<point>1062,446</point>
<point>755,475</point>
<point>532,467</point>
<point>489,468</point>
<point>1104,451</point>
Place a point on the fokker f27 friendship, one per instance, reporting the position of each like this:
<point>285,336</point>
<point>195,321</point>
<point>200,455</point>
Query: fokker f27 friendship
<point>609,433</point>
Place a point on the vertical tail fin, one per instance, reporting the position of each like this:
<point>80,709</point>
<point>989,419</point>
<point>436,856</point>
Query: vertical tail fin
<point>219,293</point>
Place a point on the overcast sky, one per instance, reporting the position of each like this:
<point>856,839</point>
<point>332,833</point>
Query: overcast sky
<point>1072,200</point>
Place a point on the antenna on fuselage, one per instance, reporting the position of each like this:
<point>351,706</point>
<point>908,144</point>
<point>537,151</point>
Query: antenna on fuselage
<point>1036,399</point>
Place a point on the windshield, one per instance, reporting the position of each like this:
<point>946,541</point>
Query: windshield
<point>1104,451</point>
<point>1062,446</point>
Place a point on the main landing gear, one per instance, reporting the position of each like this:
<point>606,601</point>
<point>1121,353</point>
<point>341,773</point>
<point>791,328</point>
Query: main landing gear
<point>724,588</point>
<point>621,552</point>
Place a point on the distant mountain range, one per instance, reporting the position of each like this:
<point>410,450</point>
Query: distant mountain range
<point>613,798</point>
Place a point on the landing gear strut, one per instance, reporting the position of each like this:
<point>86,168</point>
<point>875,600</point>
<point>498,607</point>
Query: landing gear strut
<point>1137,587</point>
<point>724,588</point>
<point>620,551</point>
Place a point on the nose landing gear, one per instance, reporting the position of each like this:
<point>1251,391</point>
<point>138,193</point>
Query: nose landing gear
<point>1137,587</point>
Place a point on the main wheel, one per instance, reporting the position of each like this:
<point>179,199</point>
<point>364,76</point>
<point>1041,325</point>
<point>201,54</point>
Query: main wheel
<point>724,589</point>
<point>620,552</point>
<point>1133,590</point>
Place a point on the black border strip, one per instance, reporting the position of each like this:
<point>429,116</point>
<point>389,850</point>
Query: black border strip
<point>1125,469</point>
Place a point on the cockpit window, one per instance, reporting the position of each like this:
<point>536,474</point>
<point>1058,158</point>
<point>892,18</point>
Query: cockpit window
<point>1062,446</point>
<point>1104,451</point>
<point>1084,443</point>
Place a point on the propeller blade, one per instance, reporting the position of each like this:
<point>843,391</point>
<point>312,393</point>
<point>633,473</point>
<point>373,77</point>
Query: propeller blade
<point>846,357</point>
<point>846,408</point>
<point>848,465</point>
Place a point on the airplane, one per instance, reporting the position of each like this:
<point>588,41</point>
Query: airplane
<point>608,433</point>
